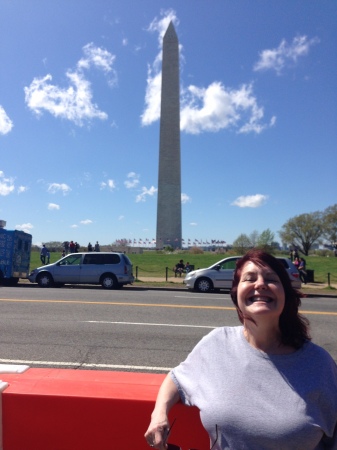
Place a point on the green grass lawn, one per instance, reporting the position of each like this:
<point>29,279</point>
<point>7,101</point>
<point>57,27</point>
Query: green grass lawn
<point>153,264</point>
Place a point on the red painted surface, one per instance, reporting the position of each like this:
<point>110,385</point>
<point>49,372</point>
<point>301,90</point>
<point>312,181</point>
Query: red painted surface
<point>60,409</point>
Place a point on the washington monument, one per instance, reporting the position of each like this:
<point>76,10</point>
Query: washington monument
<point>169,230</point>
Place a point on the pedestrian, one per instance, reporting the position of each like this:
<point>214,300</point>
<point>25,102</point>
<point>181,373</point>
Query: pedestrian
<point>302,270</point>
<point>43,254</point>
<point>89,247</point>
<point>260,386</point>
<point>72,248</point>
<point>97,247</point>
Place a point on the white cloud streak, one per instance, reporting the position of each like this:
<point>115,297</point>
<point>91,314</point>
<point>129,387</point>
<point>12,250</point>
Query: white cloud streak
<point>53,207</point>
<point>146,193</point>
<point>86,222</point>
<point>73,103</point>
<point>284,55</point>
<point>6,184</point>
<point>250,201</point>
<point>22,189</point>
<point>206,109</point>
<point>54,188</point>
<point>26,227</point>
<point>132,180</point>
<point>6,124</point>
<point>185,198</point>
<point>110,184</point>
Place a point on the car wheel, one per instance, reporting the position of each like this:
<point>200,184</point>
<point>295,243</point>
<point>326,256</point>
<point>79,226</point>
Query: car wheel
<point>45,280</point>
<point>109,281</point>
<point>203,285</point>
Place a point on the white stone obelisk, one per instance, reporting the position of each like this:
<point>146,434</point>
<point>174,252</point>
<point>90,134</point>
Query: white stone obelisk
<point>169,230</point>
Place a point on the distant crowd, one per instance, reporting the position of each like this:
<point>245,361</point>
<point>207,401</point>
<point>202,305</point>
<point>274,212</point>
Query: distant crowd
<point>67,247</point>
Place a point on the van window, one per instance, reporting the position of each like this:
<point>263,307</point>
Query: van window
<point>101,259</point>
<point>73,260</point>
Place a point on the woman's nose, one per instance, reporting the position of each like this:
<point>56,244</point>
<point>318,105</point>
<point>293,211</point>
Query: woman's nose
<point>260,283</point>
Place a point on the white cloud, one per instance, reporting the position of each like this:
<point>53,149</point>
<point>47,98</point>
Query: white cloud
<point>185,198</point>
<point>250,201</point>
<point>217,107</point>
<point>53,188</point>
<point>6,124</point>
<point>193,224</point>
<point>22,189</point>
<point>74,226</point>
<point>132,181</point>
<point>209,109</point>
<point>99,58</point>
<point>73,103</point>
<point>285,54</point>
<point>110,184</point>
<point>26,227</point>
<point>53,206</point>
<point>6,184</point>
<point>86,222</point>
<point>146,192</point>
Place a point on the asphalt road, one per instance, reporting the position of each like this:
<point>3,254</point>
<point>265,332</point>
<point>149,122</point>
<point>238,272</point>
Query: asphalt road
<point>133,329</point>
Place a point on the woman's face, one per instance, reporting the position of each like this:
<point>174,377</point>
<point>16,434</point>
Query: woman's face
<point>260,292</point>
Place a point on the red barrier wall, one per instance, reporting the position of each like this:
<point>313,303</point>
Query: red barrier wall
<point>61,409</point>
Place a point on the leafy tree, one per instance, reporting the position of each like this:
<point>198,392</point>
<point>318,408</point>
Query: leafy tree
<point>330,224</point>
<point>242,244</point>
<point>265,240</point>
<point>302,231</point>
<point>254,237</point>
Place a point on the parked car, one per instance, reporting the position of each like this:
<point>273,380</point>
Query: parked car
<point>220,275</point>
<point>111,270</point>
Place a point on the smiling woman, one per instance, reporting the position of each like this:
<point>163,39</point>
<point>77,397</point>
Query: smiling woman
<point>264,384</point>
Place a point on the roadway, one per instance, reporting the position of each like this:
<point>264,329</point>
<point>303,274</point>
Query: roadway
<point>133,329</point>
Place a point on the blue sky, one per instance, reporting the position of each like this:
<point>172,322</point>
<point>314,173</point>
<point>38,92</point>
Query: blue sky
<point>79,115</point>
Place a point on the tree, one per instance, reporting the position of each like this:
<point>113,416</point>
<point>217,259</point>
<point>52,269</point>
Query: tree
<point>302,231</point>
<point>254,237</point>
<point>242,244</point>
<point>265,240</point>
<point>330,224</point>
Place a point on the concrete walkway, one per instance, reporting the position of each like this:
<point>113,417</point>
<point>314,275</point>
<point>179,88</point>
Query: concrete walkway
<point>309,288</point>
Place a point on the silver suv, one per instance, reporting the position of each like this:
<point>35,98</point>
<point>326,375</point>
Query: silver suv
<point>111,270</point>
<point>220,275</point>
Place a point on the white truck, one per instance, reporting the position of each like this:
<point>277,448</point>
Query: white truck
<point>15,248</point>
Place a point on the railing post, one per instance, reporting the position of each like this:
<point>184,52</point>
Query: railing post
<point>136,273</point>
<point>329,279</point>
<point>166,273</point>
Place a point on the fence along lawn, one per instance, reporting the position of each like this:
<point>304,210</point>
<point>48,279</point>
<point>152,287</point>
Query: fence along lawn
<point>153,264</point>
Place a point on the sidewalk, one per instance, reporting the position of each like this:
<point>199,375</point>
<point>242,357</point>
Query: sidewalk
<point>309,288</point>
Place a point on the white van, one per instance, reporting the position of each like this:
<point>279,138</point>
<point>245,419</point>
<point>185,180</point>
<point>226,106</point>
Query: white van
<point>111,270</point>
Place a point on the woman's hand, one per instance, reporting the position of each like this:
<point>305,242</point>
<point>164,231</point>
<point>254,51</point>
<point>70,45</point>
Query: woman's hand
<point>157,432</point>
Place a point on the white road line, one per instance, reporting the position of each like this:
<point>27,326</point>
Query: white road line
<point>149,324</point>
<point>84,365</point>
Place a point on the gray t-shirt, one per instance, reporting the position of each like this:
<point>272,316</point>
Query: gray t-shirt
<point>260,401</point>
